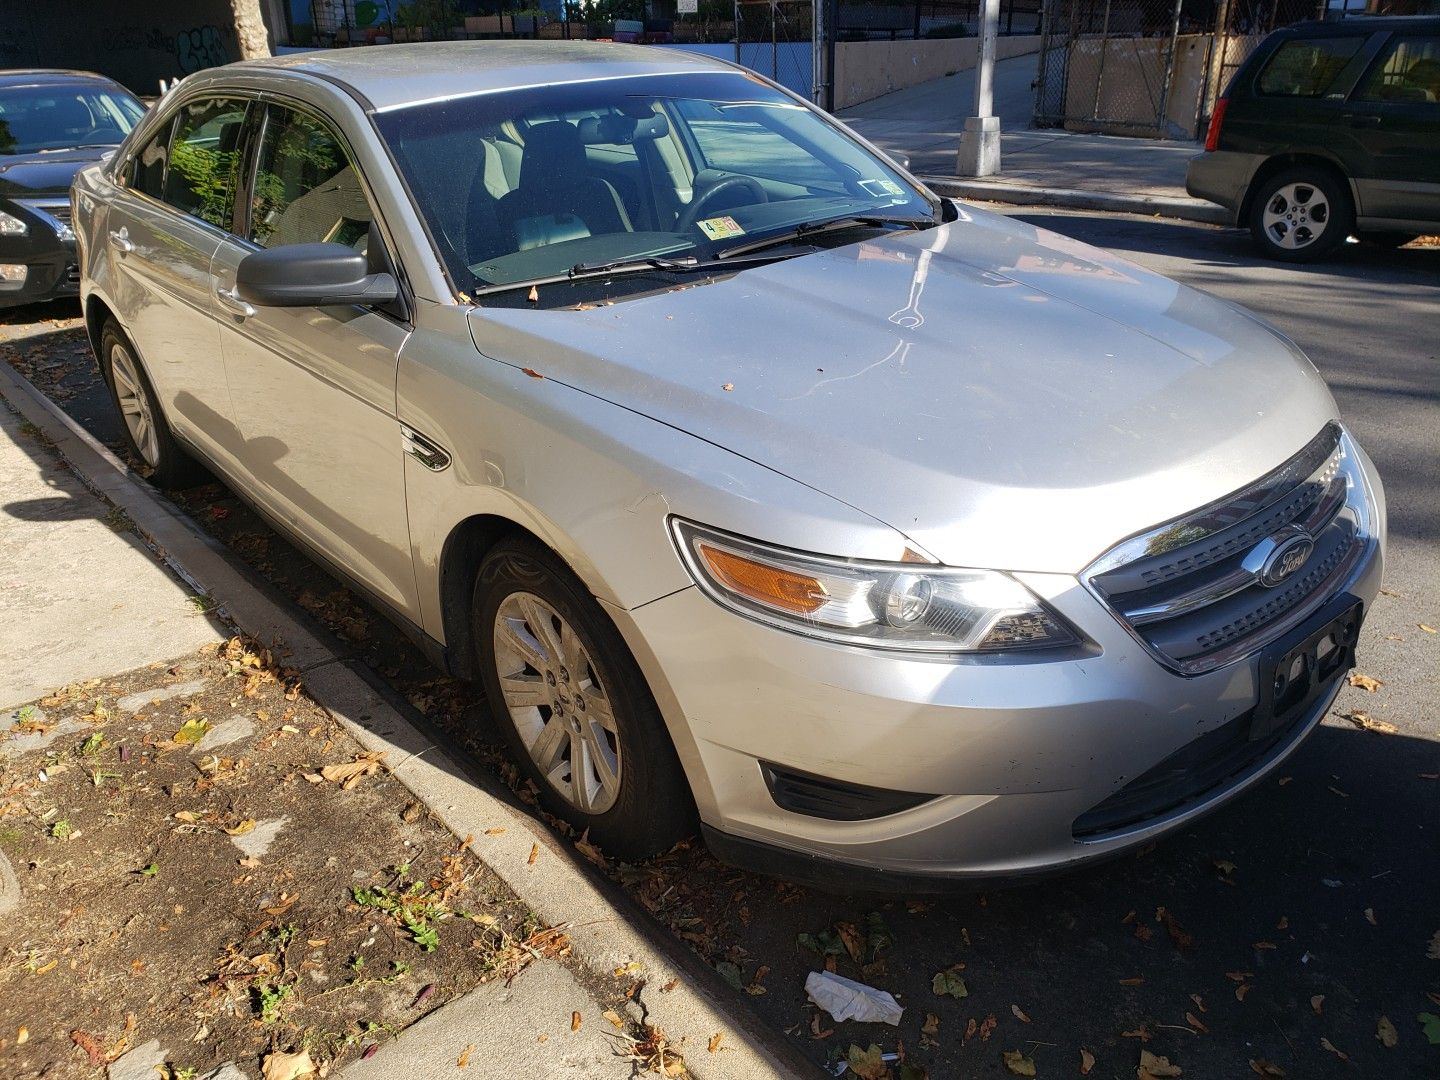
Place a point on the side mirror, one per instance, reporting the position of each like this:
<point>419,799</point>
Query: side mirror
<point>311,275</point>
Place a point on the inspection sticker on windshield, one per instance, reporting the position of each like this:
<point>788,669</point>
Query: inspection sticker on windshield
<point>882,187</point>
<point>720,228</point>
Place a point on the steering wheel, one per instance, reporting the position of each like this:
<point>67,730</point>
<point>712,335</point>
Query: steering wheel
<point>691,213</point>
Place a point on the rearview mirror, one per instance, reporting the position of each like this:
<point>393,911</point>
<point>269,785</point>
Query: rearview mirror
<point>311,275</point>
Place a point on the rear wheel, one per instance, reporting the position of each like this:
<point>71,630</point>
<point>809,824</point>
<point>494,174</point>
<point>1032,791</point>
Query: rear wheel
<point>1300,214</point>
<point>573,705</point>
<point>146,431</point>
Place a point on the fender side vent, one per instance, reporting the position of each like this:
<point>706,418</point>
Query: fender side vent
<point>834,800</point>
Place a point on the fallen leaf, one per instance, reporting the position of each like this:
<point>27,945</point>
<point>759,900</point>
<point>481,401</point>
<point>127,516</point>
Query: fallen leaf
<point>191,732</point>
<point>495,831</point>
<point>615,1018</point>
<point>1365,722</point>
<point>1018,1063</point>
<point>1264,945</point>
<point>1370,916</point>
<point>91,1045</point>
<point>1284,923</point>
<point>1365,682</point>
<point>867,1064</point>
<point>1326,1044</point>
<point>281,1066</point>
<point>987,1027</point>
<point>1427,629</point>
<point>241,828</point>
<point>1241,991</point>
<point>534,295</point>
<point>1154,1067</point>
<point>532,373</point>
<point>715,1042</point>
<point>1134,980</point>
<point>1194,1022</point>
<point>1433,949</point>
<point>1261,1067</point>
<point>1199,1002</point>
<point>1429,1027</point>
<point>851,939</point>
<point>575,1021</point>
<point>1087,1062</point>
<point>1142,1033</point>
<point>22,1036</point>
<point>1317,1003</point>
<point>464,1059</point>
<point>931,1025</point>
<point>948,982</point>
<point>1225,866</point>
<point>1020,1014</point>
<point>349,773</point>
<point>534,854</point>
<point>1386,1033</point>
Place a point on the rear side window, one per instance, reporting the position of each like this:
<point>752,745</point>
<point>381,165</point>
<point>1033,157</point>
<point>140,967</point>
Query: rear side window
<point>147,167</point>
<point>1307,68</point>
<point>1407,71</point>
<point>205,158</point>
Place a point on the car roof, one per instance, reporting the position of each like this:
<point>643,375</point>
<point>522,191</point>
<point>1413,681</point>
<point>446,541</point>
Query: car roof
<point>49,77</point>
<point>392,76</point>
<point>1366,24</point>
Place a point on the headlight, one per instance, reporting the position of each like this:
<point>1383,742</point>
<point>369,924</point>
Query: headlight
<point>10,225</point>
<point>909,606</point>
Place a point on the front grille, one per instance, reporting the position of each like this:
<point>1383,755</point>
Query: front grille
<point>1192,589</point>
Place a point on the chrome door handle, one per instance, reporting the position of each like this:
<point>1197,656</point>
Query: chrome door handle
<point>1363,119</point>
<point>231,302</point>
<point>122,242</point>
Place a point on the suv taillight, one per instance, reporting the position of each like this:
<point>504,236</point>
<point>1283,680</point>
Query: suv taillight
<point>1212,135</point>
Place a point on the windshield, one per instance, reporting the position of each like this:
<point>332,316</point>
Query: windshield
<point>34,119</point>
<point>528,185</point>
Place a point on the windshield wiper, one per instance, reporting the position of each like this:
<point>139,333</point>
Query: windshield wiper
<point>810,228</point>
<point>682,265</point>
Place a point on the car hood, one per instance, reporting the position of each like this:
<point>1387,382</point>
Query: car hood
<point>46,174</point>
<point>1002,395</point>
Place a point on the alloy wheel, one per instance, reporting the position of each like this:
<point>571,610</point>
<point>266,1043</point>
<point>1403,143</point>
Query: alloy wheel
<point>1296,216</point>
<point>557,700</point>
<point>135,406</point>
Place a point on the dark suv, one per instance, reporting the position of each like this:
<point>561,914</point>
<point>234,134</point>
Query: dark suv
<point>1330,129</point>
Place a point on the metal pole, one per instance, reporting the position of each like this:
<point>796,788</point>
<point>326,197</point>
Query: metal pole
<point>1100,68</point>
<point>980,141</point>
<point>832,31</point>
<point>1163,120</point>
<point>774,44</point>
<point>817,52</point>
<point>737,31</point>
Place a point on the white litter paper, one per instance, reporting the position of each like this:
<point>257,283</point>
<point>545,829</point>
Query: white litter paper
<point>845,999</point>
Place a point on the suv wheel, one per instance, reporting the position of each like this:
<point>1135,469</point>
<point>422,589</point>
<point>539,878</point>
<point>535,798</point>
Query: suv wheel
<point>1301,214</point>
<point>573,705</point>
<point>146,431</point>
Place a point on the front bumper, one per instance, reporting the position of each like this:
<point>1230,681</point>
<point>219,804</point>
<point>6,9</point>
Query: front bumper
<point>1222,176</point>
<point>1014,754</point>
<point>47,252</point>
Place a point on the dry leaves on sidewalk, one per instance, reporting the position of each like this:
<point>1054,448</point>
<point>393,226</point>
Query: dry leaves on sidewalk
<point>349,773</point>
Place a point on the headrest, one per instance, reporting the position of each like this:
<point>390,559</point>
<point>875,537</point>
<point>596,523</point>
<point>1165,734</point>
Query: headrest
<point>553,153</point>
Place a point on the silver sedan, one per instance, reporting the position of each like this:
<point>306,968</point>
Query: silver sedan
<point>753,483</point>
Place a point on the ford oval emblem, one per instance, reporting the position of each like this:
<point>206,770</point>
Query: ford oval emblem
<point>1290,555</point>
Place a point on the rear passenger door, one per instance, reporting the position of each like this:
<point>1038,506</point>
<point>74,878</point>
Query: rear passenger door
<point>1398,104</point>
<point>314,388</point>
<point>175,205</point>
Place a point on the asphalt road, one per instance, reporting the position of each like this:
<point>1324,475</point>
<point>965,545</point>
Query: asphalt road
<point>1324,883</point>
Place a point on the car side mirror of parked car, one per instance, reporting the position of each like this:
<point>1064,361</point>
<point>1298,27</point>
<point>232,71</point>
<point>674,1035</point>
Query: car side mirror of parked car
<point>312,275</point>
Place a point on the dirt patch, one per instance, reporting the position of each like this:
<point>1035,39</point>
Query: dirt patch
<point>203,856</point>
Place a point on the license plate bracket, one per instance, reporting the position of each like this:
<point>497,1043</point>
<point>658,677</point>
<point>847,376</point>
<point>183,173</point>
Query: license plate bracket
<point>1296,670</point>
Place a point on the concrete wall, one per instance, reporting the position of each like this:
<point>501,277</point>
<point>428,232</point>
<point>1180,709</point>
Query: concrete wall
<point>135,43</point>
<point>871,69</point>
<point>1117,84</point>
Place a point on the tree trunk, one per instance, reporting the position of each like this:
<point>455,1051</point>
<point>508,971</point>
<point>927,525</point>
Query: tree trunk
<point>250,29</point>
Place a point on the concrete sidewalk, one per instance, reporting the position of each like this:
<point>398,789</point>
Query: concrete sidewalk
<point>1044,167</point>
<point>83,596</point>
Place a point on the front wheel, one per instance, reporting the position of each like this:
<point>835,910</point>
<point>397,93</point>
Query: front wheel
<point>1301,214</point>
<point>573,705</point>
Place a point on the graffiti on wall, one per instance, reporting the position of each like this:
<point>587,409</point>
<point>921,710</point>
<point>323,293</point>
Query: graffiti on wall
<point>200,47</point>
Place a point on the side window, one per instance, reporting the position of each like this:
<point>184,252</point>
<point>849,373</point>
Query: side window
<point>147,167</point>
<point>205,158</point>
<point>306,189</point>
<point>1307,68</point>
<point>1407,71</point>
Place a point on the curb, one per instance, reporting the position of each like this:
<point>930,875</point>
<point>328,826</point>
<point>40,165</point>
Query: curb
<point>1184,208</point>
<point>557,885</point>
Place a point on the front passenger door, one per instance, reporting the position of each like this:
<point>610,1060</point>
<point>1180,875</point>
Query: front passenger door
<point>314,388</point>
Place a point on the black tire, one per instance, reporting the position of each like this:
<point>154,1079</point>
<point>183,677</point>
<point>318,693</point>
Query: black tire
<point>653,808</point>
<point>1285,216</point>
<point>168,464</point>
<point>1388,239</point>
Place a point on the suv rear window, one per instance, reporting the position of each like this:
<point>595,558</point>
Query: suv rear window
<point>1307,68</point>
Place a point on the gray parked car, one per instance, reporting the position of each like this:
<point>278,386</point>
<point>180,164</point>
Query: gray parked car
<point>752,481</point>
